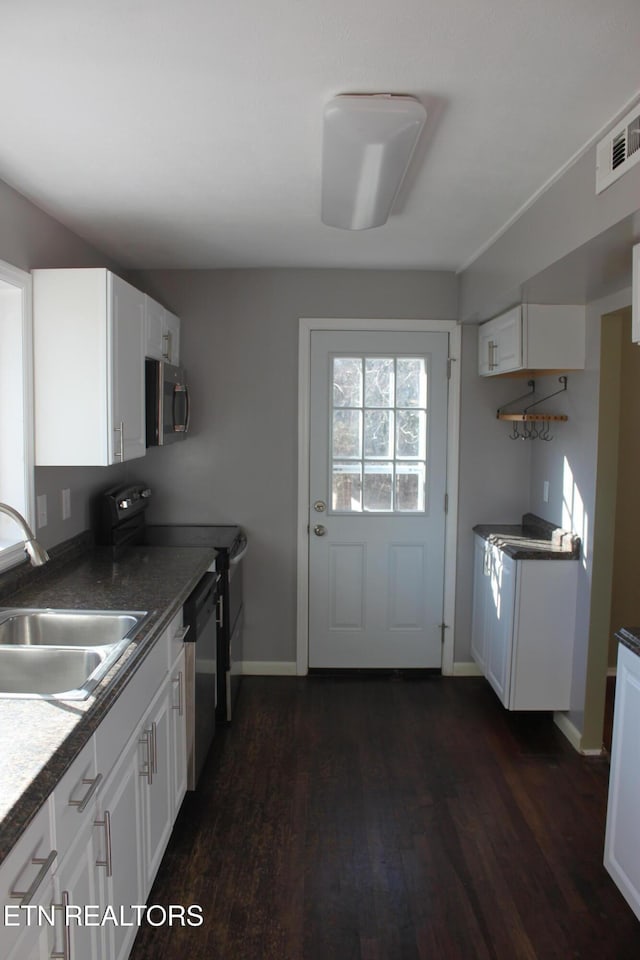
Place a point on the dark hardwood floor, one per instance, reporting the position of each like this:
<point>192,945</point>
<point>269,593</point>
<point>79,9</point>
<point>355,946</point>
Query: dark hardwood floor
<point>369,819</point>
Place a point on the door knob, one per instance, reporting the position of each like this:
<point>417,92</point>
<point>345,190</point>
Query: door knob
<point>319,506</point>
<point>319,530</point>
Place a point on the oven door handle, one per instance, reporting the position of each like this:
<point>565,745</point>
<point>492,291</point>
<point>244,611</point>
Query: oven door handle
<point>234,560</point>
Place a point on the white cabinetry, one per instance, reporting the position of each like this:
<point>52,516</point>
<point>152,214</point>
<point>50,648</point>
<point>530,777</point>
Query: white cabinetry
<point>534,338</point>
<point>523,627</point>
<point>26,882</point>
<point>635,298</point>
<point>162,333</point>
<point>89,368</point>
<point>622,839</point>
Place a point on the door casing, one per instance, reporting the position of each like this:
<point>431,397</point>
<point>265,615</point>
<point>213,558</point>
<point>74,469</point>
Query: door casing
<point>307,325</point>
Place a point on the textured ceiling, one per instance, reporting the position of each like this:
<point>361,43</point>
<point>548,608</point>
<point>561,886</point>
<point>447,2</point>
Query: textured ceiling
<point>188,134</point>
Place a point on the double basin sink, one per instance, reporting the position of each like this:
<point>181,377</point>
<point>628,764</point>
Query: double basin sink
<point>61,654</point>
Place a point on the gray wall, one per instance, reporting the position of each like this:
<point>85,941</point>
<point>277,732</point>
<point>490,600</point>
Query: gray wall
<point>566,216</point>
<point>29,238</point>
<point>570,465</point>
<point>240,342</point>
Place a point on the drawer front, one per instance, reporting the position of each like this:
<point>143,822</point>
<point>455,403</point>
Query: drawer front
<point>19,874</point>
<point>114,731</point>
<point>74,798</point>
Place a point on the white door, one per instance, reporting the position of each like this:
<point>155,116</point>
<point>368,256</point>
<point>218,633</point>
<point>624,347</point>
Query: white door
<point>378,444</point>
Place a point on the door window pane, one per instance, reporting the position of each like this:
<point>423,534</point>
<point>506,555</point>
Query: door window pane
<point>346,491</point>
<point>378,486</point>
<point>410,481</point>
<point>379,434</point>
<point>347,382</point>
<point>410,433</point>
<point>378,439</point>
<point>411,382</point>
<point>378,382</point>
<point>347,433</point>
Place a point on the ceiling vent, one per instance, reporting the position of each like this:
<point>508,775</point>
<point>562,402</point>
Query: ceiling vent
<point>618,151</point>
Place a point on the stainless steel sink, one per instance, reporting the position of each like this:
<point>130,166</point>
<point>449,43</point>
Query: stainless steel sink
<point>66,628</point>
<point>61,654</point>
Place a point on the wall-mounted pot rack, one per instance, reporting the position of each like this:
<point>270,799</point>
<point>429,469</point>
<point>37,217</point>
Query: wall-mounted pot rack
<point>530,429</point>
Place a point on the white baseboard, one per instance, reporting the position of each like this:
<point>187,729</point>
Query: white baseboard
<point>467,669</point>
<point>268,668</point>
<point>573,735</point>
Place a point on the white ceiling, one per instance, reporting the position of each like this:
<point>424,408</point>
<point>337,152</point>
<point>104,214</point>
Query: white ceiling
<point>187,133</point>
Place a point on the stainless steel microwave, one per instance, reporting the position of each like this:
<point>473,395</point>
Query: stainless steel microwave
<point>167,403</point>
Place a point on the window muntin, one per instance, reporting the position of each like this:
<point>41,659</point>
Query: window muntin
<point>378,444</point>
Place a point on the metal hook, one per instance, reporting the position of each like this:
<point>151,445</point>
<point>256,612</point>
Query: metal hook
<point>515,433</point>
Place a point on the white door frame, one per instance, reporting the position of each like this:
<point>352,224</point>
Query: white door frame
<point>307,326</point>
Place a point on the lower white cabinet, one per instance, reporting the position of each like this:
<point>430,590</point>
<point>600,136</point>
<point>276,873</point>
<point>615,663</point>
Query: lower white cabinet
<point>97,842</point>
<point>523,626</point>
<point>26,881</point>
<point>622,839</point>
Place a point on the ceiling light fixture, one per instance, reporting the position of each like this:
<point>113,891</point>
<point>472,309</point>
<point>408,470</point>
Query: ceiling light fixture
<point>367,146</point>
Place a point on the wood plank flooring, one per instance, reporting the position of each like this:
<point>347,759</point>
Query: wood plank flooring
<point>369,819</point>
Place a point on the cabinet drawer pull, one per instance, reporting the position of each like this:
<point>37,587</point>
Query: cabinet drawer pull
<point>106,823</point>
<point>180,705</point>
<point>120,429</point>
<point>154,746</point>
<point>26,896</point>
<point>66,930</point>
<point>82,804</point>
<point>145,739</point>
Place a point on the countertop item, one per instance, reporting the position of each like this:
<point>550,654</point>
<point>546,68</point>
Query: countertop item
<point>39,739</point>
<point>533,539</point>
<point>630,637</point>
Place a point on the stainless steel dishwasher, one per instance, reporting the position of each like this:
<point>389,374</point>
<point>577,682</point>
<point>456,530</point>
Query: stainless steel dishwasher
<point>199,615</point>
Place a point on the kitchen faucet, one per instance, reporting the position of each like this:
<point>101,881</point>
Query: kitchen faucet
<point>37,554</point>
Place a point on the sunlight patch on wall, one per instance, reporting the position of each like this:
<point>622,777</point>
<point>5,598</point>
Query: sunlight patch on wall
<point>574,516</point>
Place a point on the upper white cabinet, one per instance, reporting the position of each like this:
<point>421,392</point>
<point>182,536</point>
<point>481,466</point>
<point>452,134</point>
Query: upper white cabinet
<point>89,368</point>
<point>533,338</point>
<point>161,332</point>
<point>635,299</point>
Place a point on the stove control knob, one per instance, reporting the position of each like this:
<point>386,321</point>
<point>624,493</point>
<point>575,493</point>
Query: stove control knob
<point>125,504</point>
<point>145,493</point>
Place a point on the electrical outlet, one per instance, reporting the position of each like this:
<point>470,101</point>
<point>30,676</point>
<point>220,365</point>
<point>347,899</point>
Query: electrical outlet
<point>41,505</point>
<point>66,503</point>
<point>545,491</point>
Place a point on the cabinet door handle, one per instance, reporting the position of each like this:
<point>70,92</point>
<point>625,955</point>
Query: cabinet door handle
<point>166,353</point>
<point>120,429</point>
<point>66,929</point>
<point>145,739</point>
<point>107,862</point>
<point>26,896</point>
<point>154,746</point>
<point>180,705</point>
<point>220,615</point>
<point>493,350</point>
<point>82,804</point>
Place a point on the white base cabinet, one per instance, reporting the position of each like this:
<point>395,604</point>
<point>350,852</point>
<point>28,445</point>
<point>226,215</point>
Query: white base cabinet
<point>98,840</point>
<point>533,338</point>
<point>622,838</point>
<point>523,627</point>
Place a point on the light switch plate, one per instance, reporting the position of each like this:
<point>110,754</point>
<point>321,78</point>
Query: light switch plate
<point>41,506</point>
<point>545,491</point>
<point>66,503</point>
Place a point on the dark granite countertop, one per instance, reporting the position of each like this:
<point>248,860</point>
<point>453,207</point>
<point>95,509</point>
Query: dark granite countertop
<point>39,739</point>
<point>533,539</point>
<point>630,637</point>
